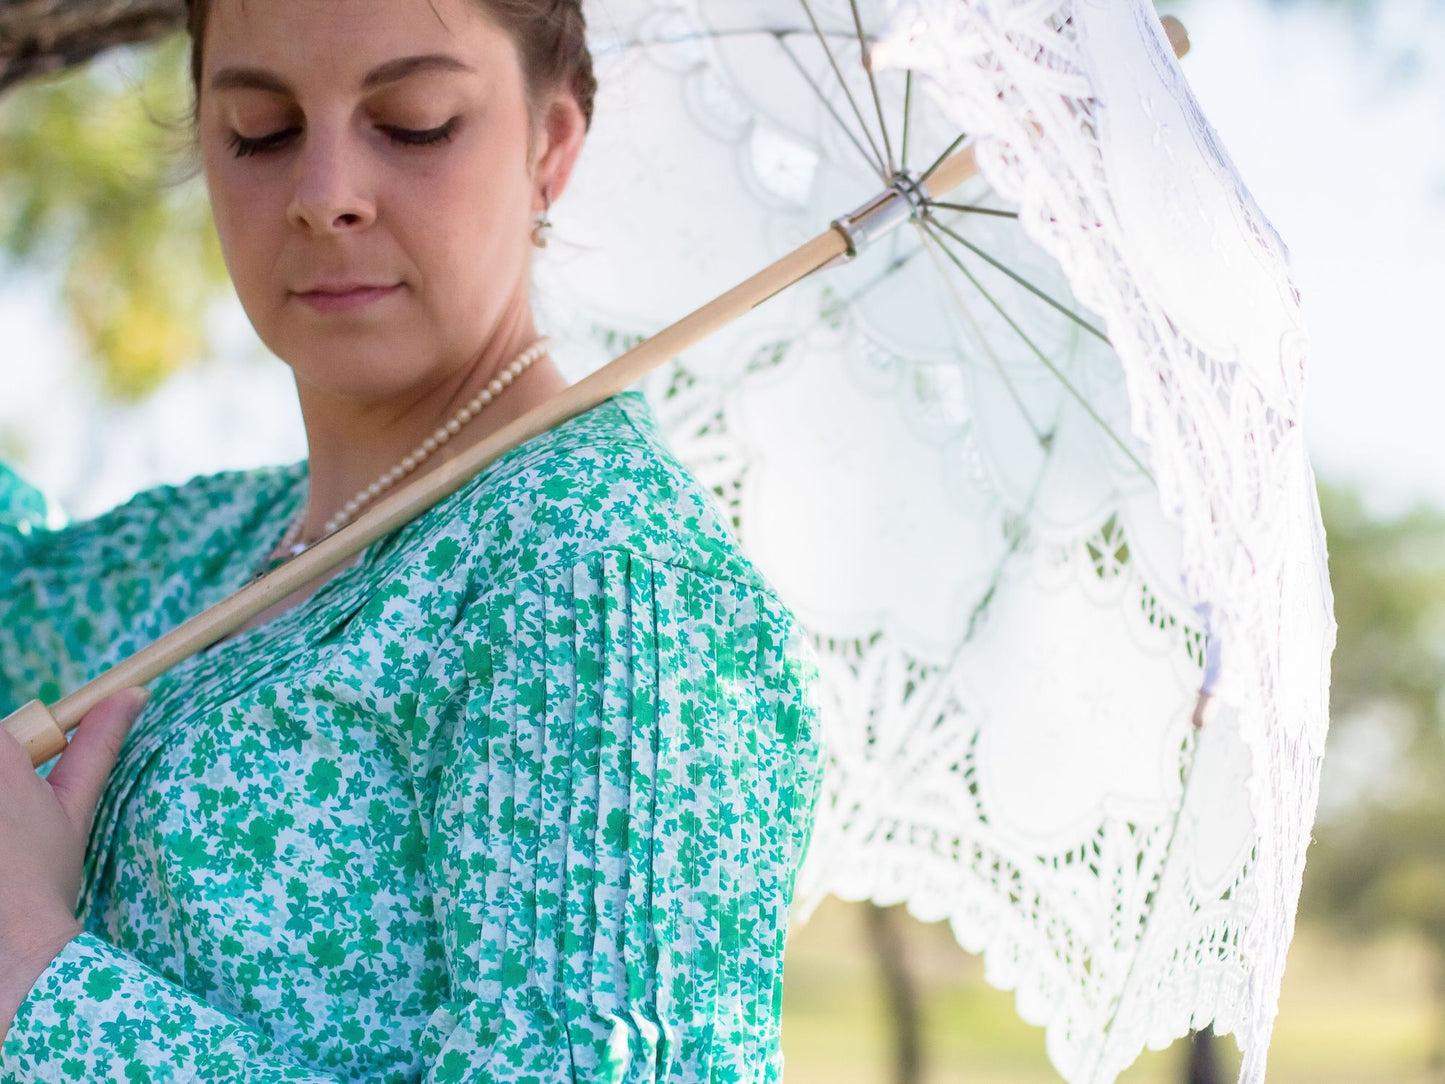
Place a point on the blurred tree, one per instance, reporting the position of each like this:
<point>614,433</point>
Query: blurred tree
<point>1203,1059</point>
<point>1378,861</point>
<point>91,185</point>
<point>42,36</point>
<point>900,989</point>
<point>1389,581</point>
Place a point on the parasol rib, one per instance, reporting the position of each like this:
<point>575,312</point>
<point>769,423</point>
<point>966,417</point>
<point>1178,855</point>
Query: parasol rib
<point>843,83</point>
<point>828,105</point>
<point>907,116</point>
<point>928,225</point>
<point>1025,283</point>
<point>873,86</point>
<point>944,157</point>
<point>933,247</point>
<point>971,209</point>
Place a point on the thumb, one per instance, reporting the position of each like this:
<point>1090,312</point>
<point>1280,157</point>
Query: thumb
<point>80,774</point>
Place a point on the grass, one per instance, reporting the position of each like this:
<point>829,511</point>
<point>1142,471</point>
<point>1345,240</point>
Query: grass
<point>1349,1014</point>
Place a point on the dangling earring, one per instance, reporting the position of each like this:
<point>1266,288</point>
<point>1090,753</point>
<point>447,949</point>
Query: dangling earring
<point>542,225</point>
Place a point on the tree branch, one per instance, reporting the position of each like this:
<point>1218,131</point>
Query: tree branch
<point>38,37</point>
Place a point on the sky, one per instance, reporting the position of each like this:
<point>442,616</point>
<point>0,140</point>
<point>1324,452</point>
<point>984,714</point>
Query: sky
<point>1339,141</point>
<point>1332,123</point>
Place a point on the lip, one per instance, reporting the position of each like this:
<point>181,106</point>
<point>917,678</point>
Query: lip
<point>345,296</point>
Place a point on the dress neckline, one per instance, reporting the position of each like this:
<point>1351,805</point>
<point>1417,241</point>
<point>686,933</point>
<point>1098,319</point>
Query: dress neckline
<point>291,497</point>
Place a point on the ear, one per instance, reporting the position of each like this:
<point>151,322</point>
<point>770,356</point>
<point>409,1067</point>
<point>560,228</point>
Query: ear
<point>559,142</point>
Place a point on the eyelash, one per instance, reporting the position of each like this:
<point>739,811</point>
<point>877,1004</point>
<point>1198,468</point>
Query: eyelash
<point>244,147</point>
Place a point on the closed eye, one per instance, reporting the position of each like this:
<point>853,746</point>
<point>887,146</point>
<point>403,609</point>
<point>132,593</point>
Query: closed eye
<point>245,146</point>
<point>423,137</point>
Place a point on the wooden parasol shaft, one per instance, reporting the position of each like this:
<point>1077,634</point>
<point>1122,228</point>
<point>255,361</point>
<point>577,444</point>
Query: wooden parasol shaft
<point>42,731</point>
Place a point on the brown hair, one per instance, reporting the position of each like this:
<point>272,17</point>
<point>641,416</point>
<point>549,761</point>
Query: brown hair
<point>550,35</point>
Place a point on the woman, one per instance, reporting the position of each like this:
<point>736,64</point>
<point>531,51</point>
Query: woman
<point>518,794</point>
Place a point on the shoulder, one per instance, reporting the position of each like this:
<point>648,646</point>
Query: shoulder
<point>606,479</point>
<point>22,506</point>
<point>198,520</point>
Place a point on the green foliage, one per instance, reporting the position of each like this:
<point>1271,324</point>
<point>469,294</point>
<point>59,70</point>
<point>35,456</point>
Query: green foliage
<point>1389,584</point>
<point>91,168</point>
<point>1384,871</point>
<point>1381,865</point>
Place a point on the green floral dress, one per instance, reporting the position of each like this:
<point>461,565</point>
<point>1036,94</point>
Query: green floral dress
<point>519,796</point>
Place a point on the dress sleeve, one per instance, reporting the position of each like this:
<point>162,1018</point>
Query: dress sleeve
<point>99,1014</point>
<point>78,596</point>
<point>26,517</point>
<point>620,786</point>
<point>622,804</point>
<point>23,510</point>
<point>33,660</point>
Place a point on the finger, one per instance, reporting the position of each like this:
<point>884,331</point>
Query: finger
<point>80,774</point>
<point>1178,36</point>
<point>16,770</point>
<point>1203,710</point>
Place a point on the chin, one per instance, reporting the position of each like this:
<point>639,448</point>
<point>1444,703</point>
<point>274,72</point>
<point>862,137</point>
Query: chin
<point>371,366</point>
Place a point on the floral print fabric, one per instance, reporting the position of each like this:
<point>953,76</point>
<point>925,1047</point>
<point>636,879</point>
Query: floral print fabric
<point>518,796</point>
<point>22,508</point>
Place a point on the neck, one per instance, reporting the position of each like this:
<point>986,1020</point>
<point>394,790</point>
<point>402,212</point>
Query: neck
<point>351,445</point>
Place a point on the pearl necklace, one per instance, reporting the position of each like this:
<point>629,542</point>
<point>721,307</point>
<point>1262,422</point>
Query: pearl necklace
<point>292,546</point>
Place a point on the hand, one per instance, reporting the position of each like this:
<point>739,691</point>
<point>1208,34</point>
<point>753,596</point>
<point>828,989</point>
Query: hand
<point>44,824</point>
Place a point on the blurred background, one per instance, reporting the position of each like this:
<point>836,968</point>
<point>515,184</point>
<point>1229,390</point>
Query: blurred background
<point>128,363</point>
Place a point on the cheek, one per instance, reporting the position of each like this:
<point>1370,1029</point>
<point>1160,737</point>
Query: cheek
<point>464,224</point>
<point>251,246</point>
<point>241,207</point>
<point>463,197</point>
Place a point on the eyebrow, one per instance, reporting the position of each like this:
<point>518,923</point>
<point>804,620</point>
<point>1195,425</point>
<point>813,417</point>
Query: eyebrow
<point>390,72</point>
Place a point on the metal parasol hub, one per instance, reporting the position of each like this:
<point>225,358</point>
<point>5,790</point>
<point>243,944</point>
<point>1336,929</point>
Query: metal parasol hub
<point>902,201</point>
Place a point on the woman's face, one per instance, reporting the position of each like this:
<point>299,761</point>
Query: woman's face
<point>366,161</point>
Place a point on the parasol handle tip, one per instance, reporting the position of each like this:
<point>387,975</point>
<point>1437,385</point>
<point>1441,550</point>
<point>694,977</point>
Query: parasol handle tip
<point>37,732</point>
<point>1178,36</point>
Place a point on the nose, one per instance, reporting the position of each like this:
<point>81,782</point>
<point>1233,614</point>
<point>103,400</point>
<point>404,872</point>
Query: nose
<point>330,194</point>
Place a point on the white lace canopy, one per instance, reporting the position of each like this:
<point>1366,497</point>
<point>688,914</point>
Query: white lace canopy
<point>1029,468</point>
